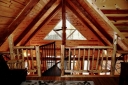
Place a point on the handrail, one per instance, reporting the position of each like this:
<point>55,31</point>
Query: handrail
<point>48,55</point>
<point>95,62</point>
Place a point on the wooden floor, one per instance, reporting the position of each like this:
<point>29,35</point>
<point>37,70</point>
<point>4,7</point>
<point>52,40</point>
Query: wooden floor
<point>98,80</point>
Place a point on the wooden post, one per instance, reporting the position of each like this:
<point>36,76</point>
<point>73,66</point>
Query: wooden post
<point>62,60</point>
<point>63,36</point>
<point>11,45</point>
<point>63,23</point>
<point>38,60</point>
<point>69,59</point>
<point>114,54</point>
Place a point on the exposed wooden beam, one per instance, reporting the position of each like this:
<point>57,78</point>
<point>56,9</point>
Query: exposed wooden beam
<point>63,22</point>
<point>124,11</point>
<point>37,18</point>
<point>117,18</point>
<point>121,24</point>
<point>96,13</point>
<point>123,28</point>
<point>88,18</point>
<point>52,14</point>
<point>18,20</point>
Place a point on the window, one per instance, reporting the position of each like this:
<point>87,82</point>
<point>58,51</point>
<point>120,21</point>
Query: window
<point>71,33</point>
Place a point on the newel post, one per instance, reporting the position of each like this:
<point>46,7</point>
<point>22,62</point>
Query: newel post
<point>62,60</point>
<point>11,45</point>
<point>114,53</point>
<point>38,60</point>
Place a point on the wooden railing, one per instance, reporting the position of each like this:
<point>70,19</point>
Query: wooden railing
<point>36,59</point>
<point>87,60</point>
<point>30,55</point>
<point>48,56</point>
<point>25,57</point>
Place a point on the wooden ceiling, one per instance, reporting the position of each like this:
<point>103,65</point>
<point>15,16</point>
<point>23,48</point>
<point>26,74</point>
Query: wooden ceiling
<point>29,21</point>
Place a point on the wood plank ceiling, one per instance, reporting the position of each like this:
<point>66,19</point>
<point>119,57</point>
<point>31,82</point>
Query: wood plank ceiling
<point>29,21</point>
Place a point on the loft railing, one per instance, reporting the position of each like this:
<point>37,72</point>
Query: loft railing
<point>48,56</point>
<point>87,60</point>
<point>31,57</point>
<point>25,57</point>
<point>36,59</point>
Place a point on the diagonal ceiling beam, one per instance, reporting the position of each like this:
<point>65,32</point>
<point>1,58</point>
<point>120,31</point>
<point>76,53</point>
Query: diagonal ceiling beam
<point>106,24</point>
<point>124,11</point>
<point>88,24</point>
<point>37,18</point>
<point>93,21</point>
<point>18,19</point>
<point>52,14</point>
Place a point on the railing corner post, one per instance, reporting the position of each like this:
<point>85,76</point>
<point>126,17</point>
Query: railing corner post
<point>38,60</point>
<point>62,59</point>
<point>114,54</point>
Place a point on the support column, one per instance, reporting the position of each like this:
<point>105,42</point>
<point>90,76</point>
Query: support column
<point>11,45</point>
<point>63,36</point>
<point>62,60</point>
<point>114,54</point>
<point>38,60</point>
<point>63,22</point>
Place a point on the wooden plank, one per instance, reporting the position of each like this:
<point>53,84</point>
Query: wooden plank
<point>80,25</point>
<point>24,47</point>
<point>91,47</point>
<point>37,18</point>
<point>112,11</point>
<point>17,4</point>
<point>8,14</point>
<point>6,9</point>
<point>103,18</point>
<point>18,20</point>
<point>88,23</point>
<point>5,3</point>
<point>115,18</point>
<point>44,24</point>
<point>5,20</point>
<point>23,2</point>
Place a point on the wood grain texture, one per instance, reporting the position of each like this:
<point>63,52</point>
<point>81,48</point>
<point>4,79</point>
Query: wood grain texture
<point>98,80</point>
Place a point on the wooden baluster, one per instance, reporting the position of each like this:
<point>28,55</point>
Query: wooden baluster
<point>88,59</point>
<point>17,53</point>
<point>23,63</point>
<point>106,65</point>
<point>31,54</point>
<point>83,59</point>
<point>69,60</point>
<point>102,59</point>
<point>79,60</point>
<point>74,59</point>
<point>93,55</point>
<point>97,62</point>
<point>27,59</point>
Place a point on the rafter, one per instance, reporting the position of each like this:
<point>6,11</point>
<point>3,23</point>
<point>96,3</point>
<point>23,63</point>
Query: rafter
<point>37,18</point>
<point>18,20</point>
<point>103,21</point>
<point>86,20</point>
<point>52,14</point>
<point>124,11</point>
